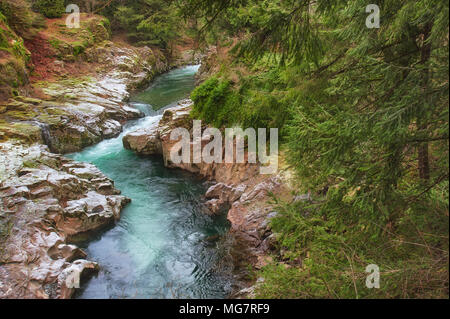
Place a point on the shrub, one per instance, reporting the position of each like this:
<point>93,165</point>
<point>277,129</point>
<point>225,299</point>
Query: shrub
<point>215,102</point>
<point>18,15</point>
<point>220,103</point>
<point>50,8</point>
<point>323,256</point>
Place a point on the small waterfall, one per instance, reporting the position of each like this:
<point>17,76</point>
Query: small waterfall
<point>45,131</point>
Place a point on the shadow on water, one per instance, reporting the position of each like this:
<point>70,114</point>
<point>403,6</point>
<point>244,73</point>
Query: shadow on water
<point>167,88</point>
<point>164,246</point>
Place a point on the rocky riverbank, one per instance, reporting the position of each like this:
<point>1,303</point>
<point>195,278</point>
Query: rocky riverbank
<point>238,191</point>
<point>47,200</point>
<point>79,112</point>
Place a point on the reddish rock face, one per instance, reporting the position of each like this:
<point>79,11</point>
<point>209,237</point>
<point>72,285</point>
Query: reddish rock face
<point>77,112</point>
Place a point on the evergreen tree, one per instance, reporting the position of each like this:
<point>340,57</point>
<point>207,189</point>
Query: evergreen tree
<point>50,8</point>
<point>147,22</point>
<point>380,95</point>
<point>367,133</point>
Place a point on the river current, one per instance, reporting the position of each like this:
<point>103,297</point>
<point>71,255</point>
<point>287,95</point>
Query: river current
<point>164,246</point>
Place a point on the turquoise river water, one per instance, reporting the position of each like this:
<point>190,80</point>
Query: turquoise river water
<point>164,246</point>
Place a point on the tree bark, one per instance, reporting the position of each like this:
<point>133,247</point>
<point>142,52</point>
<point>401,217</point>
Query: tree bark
<point>424,162</point>
<point>423,149</point>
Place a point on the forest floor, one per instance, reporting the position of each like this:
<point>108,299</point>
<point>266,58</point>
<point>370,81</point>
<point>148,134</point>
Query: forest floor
<point>46,66</point>
<point>44,56</point>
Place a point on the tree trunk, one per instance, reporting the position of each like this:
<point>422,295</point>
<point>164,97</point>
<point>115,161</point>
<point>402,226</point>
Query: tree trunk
<point>424,162</point>
<point>423,153</point>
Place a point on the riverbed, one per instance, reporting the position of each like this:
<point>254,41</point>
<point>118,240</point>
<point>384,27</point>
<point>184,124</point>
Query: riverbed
<point>164,245</point>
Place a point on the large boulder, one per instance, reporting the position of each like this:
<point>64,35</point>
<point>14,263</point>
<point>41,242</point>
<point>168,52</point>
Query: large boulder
<point>45,201</point>
<point>144,142</point>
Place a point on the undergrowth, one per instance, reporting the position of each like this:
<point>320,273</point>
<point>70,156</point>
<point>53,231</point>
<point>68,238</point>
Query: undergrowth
<point>322,256</point>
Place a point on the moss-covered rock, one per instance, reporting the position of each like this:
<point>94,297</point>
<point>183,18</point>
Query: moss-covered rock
<point>72,44</point>
<point>25,132</point>
<point>14,58</point>
<point>21,19</point>
<point>29,100</point>
<point>76,112</point>
<point>100,29</point>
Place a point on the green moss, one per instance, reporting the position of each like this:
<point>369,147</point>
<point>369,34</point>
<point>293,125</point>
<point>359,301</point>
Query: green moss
<point>49,162</point>
<point>77,81</point>
<point>19,16</point>
<point>4,43</point>
<point>23,131</point>
<point>100,30</point>
<point>15,57</point>
<point>30,164</point>
<point>28,100</point>
<point>55,111</point>
<point>61,47</point>
<point>78,49</point>
<point>55,43</point>
<point>106,23</point>
<point>52,120</point>
<point>216,103</point>
<point>22,115</point>
<point>254,101</point>
<point>11,43</point>
<point>16,105</point>
<point>13,73</point>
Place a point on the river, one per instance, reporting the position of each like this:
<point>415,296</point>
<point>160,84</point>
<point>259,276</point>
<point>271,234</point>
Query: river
<point>164,246</point>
